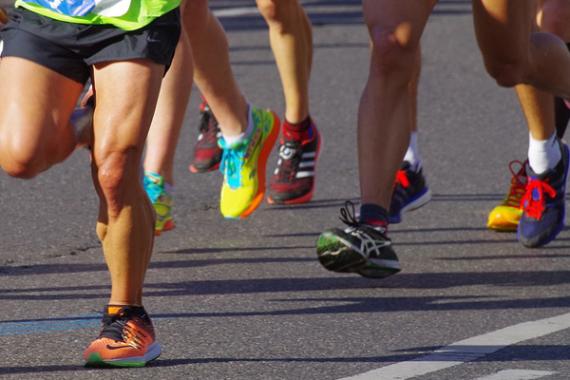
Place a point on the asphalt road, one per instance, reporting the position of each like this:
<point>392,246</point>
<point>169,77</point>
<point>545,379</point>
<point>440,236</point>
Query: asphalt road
<point>248,300</point>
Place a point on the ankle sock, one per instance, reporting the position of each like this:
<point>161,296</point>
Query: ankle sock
<point>373,215</point>
<point>543,154</point>
<point>233,140</point>
<point>298,131</point>
<point>412,154</point>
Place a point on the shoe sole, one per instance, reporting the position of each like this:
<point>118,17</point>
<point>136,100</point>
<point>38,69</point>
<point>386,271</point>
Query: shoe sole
<point>417,203</point>
<point>540,243</point>
<point>354,261</point>
<point>261,168</point>
<point>306,197</point>
<point>154,351</point>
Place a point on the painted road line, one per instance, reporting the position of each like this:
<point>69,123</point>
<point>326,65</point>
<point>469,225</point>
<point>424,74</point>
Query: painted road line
<point>467,350</point>
<point>50,326</point>
<point>516,374</point>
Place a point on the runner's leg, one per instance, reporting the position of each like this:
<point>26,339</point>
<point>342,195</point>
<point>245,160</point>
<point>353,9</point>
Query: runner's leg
<point>384,123</point>
<point>289,34</point>
<point>126,219</point>
<point>35,106</point>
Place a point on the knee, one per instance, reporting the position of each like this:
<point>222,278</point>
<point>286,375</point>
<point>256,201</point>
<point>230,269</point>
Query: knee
<point>278,13</point>
<point>393,53</point>
<point>117,172</point>
<point>17,160</point>
<point>506,73</point>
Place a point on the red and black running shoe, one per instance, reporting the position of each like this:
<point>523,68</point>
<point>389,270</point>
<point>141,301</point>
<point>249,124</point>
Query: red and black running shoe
<point>293,180</point>
<point>207,153</point>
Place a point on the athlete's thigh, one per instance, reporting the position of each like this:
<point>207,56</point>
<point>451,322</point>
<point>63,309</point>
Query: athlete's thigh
<point>406,19</point>
<point>503,28</point>
<point>35,102</point>
<point>126,93</point>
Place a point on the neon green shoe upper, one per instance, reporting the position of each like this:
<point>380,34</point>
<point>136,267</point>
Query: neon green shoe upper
<point>243,166</point>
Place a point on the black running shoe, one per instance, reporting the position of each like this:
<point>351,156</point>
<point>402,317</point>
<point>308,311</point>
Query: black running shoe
<point>410,192</point>
<point>207,153</point>
<point>360,248</point>
<point>544,204</point>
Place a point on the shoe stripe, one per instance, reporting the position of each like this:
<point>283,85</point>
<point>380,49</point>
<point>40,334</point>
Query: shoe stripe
<point>309,155</point>
<point>305,174</point>
<point>307,164</point>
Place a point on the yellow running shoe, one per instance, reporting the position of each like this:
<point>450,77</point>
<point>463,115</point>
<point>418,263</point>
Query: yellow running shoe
<point>161,200</point>
<point>505,217</point>
<point>243,166</point>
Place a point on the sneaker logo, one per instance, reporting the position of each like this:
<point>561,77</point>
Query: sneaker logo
<point>118,347</point>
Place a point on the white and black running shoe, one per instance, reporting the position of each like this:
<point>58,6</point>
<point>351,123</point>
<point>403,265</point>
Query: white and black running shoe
<point>360,248</point>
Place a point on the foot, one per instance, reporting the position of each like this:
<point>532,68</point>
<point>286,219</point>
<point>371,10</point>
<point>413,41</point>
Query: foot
<point>243,166</point>
<point>161,200</point>
<point>410,192</point>
<point>544,204</point>
<point>505,216</point>
<point>126,340</point>
<point>360,248</point>
<point>293,181</point>
<point>207,153</point>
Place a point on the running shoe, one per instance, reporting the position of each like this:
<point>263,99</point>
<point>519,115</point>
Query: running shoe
<point>126,340</point>
<point>360,248</point>
<point>293,181</point>
<point>161,200</point>
<point>243,166</point>
<point>505,216</point>
<point>207,153</point>
<point>544,204</point>
<point>410,192</point>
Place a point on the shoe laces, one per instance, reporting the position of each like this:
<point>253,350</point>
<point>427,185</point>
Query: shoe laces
<point>232,161</point>
<point>534,201</point>
<point>402,178</point>
<point>154,186</point>
<point>289,159</point>
<point>518,184</point>
<point>118,328</point>
<point>348,215</point>
<point>367,243</point>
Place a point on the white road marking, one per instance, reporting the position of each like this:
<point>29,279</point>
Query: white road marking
<point>467,350</point>
<point>236,12</point>
<point>517,374</point>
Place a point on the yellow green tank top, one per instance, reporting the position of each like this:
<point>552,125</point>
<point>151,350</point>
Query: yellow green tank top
<point>124,14</point>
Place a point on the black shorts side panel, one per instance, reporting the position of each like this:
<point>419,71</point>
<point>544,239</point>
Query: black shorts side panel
<point>70,49</point>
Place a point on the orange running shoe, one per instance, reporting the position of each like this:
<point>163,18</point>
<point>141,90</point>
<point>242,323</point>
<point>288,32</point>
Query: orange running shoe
<point>126,339</point>
<point>505,216</point>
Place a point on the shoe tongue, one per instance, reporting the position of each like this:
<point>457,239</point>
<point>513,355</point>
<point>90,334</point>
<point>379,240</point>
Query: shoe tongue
<point>115,309</point>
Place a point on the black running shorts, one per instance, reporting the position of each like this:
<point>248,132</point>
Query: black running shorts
<point>70,49</point>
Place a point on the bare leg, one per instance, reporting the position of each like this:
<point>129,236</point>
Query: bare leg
<point>291,42</point>
<point>513,53</point>
<point>384,117</point>
<point>170,110</point>
<point>212,71</point>
<point>35,106</point>
<point>126,220</point>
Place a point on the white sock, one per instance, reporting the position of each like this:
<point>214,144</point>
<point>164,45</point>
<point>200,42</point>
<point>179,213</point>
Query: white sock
<point>412,154</point>
<point>232,140</point>
<point>543,154</point>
